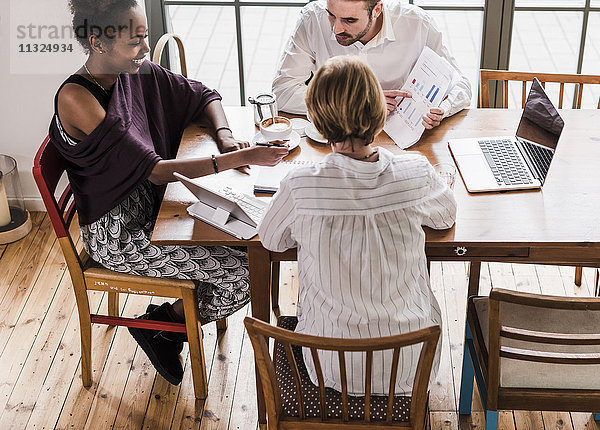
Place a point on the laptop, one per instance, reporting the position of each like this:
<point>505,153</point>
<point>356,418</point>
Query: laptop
<point>234,213</point>
<point>519,162</point>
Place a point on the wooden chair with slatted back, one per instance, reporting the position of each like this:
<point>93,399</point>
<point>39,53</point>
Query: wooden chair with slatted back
<point>531,352</point>
<point>293,402</point>
<point>87,275</point>
<point>506,76</point>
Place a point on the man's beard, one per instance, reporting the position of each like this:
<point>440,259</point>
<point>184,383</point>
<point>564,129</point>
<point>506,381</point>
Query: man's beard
<point>352,39</point>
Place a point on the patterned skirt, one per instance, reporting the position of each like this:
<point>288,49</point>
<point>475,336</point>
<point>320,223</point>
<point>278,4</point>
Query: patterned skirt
<point>120,241</point>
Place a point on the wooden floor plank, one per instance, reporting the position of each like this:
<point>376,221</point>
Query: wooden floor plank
<point>116,370</point>
<point>455,285</point>
<point>528,420</point>
<point>31,295</point>
<point>140,380</point>
<point>244,409</point>
<point>441,396</point>
<point>288,288</point>
<point>63,371</point>
<point>584,420</point>
<point>13,256</point>
<point>16,291</point>
<point>224,373</point>
<point>161,406</point>
<point>24,396</point>
<point>138,388</point>
<point>79,399</point>
<point>189,410</point>
<point>443,420</point>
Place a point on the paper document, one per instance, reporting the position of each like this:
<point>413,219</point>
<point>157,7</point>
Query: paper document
<point>429,82</point>
<point>269,178</point>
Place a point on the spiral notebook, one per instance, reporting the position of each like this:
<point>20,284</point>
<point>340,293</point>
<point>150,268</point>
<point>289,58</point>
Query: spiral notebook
<point>269,178</point>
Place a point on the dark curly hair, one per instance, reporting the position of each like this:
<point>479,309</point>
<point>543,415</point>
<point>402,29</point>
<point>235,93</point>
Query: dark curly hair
<point>97,17</point>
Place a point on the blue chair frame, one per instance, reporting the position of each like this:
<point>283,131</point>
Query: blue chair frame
<point>475,369</point>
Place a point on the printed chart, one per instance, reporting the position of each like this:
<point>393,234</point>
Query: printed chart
<point>429,82</point>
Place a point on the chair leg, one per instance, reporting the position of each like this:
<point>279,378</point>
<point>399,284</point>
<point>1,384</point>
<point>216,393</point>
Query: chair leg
<point>578,275</point>
<point>474,272</point>
<point>491,420</point>
<point>113,304</point>
<point>85,328</point>
<point>597,417</point>
<point>275,286</point>
<point>194,334</point>
<point>222,324</point>
<point>466,380</point>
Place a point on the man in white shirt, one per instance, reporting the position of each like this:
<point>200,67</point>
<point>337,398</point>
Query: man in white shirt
<point>389,37</point>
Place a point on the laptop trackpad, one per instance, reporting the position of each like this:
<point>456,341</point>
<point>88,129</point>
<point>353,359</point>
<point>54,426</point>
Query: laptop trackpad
<point>476,173</point>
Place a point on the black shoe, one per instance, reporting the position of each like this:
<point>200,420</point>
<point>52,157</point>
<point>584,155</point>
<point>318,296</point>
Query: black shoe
<point>169,335</point>
<point>162,352</point>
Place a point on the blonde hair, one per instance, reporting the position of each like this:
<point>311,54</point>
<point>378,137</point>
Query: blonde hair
<point>345,100</point>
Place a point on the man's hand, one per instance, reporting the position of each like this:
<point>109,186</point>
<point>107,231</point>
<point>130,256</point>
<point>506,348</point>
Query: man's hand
<point>393,97</point>
<point>433,118</point>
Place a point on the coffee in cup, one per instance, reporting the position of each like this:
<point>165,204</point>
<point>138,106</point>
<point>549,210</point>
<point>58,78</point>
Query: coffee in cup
<point>278,128</point>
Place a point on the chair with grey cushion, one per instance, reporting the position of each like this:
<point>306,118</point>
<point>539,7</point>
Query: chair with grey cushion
<point>531,352</point>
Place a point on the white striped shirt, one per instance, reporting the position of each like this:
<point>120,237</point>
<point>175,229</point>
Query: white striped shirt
<point>361,255</point>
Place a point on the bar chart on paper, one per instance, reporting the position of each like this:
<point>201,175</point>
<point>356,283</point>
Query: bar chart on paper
<point>410,109</point>
<point>432,94</point>
<point>429,82</point>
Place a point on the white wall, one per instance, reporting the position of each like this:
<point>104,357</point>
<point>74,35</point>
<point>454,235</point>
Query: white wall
<point>28,81</point>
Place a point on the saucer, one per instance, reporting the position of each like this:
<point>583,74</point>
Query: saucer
<point>292,143</point>
<point>299,124</point>
<point>312,132</point>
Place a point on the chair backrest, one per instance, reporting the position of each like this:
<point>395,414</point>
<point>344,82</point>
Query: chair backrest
<point>260,332</point>
<point>485,76</point>
<point>543,345</point>
<point>160,46</point>
<point>48,169</point>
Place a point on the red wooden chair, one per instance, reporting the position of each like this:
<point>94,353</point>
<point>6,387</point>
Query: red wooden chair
<point>87,275</point>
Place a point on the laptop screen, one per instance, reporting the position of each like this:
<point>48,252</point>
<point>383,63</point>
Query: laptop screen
<point>540,122</point>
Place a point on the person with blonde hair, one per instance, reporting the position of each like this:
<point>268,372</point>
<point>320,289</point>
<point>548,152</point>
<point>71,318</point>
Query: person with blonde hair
<point>356,218</point>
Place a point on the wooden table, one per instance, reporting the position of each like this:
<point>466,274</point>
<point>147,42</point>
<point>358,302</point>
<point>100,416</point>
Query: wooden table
<point>557,225</point>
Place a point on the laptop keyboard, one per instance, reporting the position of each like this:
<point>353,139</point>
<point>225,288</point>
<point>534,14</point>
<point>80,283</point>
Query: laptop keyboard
<point>540,156</point>
<point>253,207</point>
<point>507,167</point>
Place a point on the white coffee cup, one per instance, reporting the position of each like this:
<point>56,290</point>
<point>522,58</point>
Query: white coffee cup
<point>280,130</point>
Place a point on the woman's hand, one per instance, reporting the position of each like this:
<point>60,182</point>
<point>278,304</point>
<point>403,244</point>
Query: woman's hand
<point>227,143</point>
<point>265,155</point>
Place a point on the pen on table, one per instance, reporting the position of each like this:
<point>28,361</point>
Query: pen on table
<point>279,145</point>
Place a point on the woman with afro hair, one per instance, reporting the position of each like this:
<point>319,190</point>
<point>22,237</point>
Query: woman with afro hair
<point>118,122</point>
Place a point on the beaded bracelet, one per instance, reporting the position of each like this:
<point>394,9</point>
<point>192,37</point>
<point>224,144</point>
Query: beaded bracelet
<point>214,160</point>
